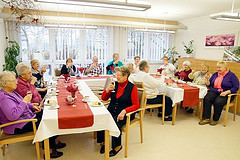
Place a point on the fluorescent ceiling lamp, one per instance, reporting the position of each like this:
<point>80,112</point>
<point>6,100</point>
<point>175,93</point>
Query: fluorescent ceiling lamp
<point>59,26</point>
<point>226,16</point>
<point>116,4</point>
<point>155,31</point>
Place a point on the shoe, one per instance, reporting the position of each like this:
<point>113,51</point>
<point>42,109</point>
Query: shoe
<point>60,145</point>
<point>149,110</point>
<point>102,149</point>
<point>159,114</point>
<point>55,154</point>
<point>190,110</point>
<point>213,123</point>
<point>168,118</point>
<point>204,121</point>
<point>113,152</point>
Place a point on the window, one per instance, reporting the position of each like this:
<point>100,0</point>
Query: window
<point>147,45</point>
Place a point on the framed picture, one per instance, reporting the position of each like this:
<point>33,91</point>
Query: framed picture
<point>220,40</point>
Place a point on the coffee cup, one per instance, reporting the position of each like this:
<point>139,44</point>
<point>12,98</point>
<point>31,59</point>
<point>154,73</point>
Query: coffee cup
<point>54,85</point>
<point>69,98</point>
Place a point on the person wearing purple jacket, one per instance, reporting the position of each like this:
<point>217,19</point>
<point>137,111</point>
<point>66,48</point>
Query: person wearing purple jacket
<point>221,83</point>
<point>14,108</point>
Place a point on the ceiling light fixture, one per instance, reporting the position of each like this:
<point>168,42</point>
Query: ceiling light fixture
<point>116,4</point>
<point>227,16</point>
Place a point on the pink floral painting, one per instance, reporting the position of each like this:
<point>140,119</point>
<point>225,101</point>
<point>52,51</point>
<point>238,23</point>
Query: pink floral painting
<point>220,40</point>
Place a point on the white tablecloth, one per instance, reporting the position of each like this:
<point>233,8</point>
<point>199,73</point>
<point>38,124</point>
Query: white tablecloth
<point>176,94</point>
<point>102,119</point>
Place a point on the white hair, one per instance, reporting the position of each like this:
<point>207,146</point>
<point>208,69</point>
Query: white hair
<point>129,65</point>
<point>188,63</point>
<point>4,76</point>
<point>22,70</point>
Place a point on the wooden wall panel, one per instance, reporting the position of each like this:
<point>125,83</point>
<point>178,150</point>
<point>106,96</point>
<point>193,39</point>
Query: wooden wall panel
<point>196,63</point>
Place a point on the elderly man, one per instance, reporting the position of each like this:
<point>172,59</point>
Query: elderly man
<point>95,67</point>
<point>26,84</point>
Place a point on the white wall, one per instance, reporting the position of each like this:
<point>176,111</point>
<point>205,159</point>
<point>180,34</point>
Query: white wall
<point>2,43</point>
<point>198,29</point>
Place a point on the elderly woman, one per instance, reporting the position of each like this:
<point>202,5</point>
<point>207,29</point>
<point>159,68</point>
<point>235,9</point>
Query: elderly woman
<point>131,77</point>
<point>13,108</point>
<point>199,77</point>
<point>185,71</point>
<point>69,68</point>
<point>222,83</point>
<point>151,86</point>
<point>36,72</point>
<point>124,99</point>
<point>113,64</point>
<point>26,84</point>
<point>168,68</point>
<point>135,64</point>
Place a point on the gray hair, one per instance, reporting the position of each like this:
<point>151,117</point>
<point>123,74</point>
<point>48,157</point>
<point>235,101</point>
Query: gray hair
<point>22,70</point>
<point>188,63</point>
<point>115,54</point>
<point>19,65</point>
<point>143,65</point>
<point>94,57</point>
<point>129,65</point>
<point>124,70</point>
<point>4,76</point>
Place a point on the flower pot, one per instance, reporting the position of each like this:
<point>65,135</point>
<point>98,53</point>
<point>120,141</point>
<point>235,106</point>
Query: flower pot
<point>189,55</point>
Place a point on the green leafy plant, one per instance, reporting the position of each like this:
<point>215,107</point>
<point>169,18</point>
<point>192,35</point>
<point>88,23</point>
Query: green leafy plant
<point>11,54</point>
<point>172,54</point>
<point>188,48</point>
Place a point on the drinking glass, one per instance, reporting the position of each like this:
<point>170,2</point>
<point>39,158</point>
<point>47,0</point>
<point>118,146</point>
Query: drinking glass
<point>113,83</point>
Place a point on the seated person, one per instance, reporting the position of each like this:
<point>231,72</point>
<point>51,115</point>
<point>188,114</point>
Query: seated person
<point>14,108</point>
<point>36,72</point>
<point>95,67</point>
<point>18,66</point>
<point>69,68</point>
<point>168,68</point>
<point>124,99</point>
<point>184,72</point>
<point>199,77</point>
<point>26,83</point>
<point>131,76</point>
<point>135,65</point>
<point>222,83</point>
<point>151,84</point>
<point>113,64</point>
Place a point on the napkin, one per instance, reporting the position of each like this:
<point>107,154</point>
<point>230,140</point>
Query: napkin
<point>72,89</point>
<point>81,69</point>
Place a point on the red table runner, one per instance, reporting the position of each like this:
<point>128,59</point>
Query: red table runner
<point>98,77</point>
<point>191,95</point>
<point>73,117</point>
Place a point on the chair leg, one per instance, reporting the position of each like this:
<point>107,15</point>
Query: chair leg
<point>174,112</point>
<point>150,111</point>
<point>37,150</point>
<point>163,114</point>
<point>235,111</point>
<point>141,127</point>
<point>201,110</point>
<point>95,135</point>
<point>3,149</point>
<point>225,118</point>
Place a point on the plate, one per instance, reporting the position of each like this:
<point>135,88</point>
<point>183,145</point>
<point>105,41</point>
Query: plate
<point>96,104</point>
<point>55,107</point>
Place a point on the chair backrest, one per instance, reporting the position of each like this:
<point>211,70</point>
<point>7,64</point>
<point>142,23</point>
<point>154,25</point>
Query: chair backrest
<point>141,93</point>
<point>57,71</point>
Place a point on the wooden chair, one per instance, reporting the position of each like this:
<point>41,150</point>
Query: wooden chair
<point>151,106</point>
<point>136,121</point>
<point>8,139</point>
<point>57,71</point>
<point>227,106</point>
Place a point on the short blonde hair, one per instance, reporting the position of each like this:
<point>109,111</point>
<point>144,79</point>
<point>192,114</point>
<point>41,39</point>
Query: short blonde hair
<point>223,63</point>
<point>129,65</point>
<point>205,65</point>
<point>188,63</point>
<point>4,76</point>
<point>143,64</point>
<point>124,70</point>
<point>115,54</point>
<point>33,61</point>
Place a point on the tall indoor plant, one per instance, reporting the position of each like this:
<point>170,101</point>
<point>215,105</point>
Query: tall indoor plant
<point>188,48</point>
<point>11,54</point>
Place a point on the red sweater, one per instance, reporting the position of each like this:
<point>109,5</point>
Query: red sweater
<point>134,96</point>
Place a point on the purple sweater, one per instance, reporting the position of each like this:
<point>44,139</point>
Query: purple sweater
<point>230,82</point>
<point>12,108</point>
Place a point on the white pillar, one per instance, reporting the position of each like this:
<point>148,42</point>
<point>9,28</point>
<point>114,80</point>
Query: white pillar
<point>2,43</point>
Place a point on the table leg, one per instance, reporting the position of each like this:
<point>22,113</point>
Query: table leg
<point>106,145</point>
<point>174,112</point>
<point>46,149</point>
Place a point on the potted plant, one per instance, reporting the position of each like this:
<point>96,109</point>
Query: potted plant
<point>172,54</point>
<point>188,48</point>
<point>11,54</point>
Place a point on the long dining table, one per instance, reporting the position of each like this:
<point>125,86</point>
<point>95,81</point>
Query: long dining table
<point>102,119</point>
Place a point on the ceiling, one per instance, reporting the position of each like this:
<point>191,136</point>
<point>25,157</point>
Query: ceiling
<point>176,10</point>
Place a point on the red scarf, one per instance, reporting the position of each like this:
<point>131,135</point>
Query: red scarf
<point>218,81</point>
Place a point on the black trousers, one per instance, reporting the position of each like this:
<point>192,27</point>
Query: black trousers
<point>116,141</point>
<point>43,94</point>
<point>158,100</point>
<point>218,103</point>
<point>29,127</point>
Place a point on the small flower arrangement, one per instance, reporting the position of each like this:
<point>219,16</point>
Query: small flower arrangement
<point>189,47</point>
